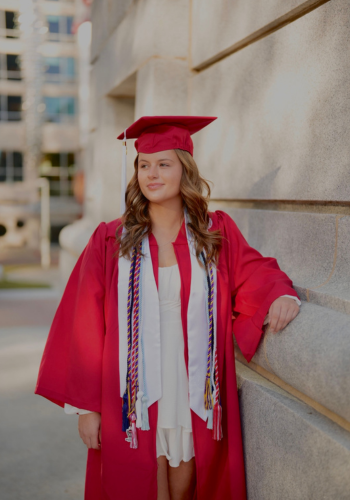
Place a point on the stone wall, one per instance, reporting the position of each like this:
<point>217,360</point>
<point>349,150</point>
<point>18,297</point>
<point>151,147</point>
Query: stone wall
<point>276,75</point>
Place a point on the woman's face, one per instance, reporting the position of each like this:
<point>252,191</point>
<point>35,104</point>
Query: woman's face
<point>159,175</point>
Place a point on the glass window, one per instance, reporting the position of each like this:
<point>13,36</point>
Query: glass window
<point>59,69</point>
<point>13,67</point>
<point>71,159</point>
<point>18,174</point>
<point>14,102</point>
<point>10,20</point>
<point>10,66</point>
<point>70,66</point>
<point>2,158</point>
<point>53,24</point>
<point>60,109</point>
<point>8,28</point>
<point>17,159</point>
<point>10,108</point>
<point>2,171</point>
<point>52,65</point>
<point>52,105</point>
<point>69,25</point>
<point>13,63</point>
<point>59,169</point>
<point>52,109</point>
<point>68,105</point>
<point>55,159</point>
<point>60,28</point>
<point>11,166</point>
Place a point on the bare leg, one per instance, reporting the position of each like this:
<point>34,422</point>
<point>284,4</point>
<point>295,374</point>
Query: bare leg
<point>182,480</point>
<point>162,478</point>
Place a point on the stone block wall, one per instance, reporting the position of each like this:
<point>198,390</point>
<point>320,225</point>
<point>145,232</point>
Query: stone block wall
<point>276,75</point>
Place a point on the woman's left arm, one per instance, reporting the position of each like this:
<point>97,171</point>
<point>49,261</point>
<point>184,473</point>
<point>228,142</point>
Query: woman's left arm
<point>257,288</point>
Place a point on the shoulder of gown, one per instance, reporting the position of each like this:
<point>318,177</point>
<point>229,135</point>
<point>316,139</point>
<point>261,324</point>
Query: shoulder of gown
<point>255,282</point>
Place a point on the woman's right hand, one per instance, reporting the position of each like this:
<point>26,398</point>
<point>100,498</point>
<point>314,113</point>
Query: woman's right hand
<point>89,426</point>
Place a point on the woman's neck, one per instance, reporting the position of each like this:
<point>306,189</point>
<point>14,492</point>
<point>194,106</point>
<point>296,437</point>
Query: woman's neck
<point>166,216</point>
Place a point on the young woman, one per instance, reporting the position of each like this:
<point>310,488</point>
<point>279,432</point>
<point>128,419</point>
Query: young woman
<point>141,345</point>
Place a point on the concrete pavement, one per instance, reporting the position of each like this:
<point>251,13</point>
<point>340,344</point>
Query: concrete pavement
<point>42,456</point>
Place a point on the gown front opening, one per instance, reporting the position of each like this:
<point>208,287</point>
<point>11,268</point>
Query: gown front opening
<point>174,430</point>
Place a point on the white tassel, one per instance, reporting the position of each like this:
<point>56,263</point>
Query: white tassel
<point>123,180</point>
<point>210,419</point>
<point>145,422</point>
<point>139,410</point>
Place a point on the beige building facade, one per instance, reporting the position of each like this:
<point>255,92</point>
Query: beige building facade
<point>276,75</point>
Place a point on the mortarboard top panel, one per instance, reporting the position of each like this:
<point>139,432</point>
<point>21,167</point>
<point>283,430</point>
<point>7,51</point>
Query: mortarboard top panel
<point>160,133</point>
<point>191,123</point>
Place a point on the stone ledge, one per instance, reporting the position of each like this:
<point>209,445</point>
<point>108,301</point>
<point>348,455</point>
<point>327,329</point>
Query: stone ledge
<point>312,355</point>
<point>336,298</point>
<point>291,451</point>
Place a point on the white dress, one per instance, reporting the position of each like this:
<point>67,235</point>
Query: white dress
<point>174,430</point>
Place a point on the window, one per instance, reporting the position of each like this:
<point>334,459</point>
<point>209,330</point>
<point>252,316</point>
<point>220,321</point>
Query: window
<point>60,28</point>
<point>60,109</point>
<point>10,19</point>
<point>59,169</point>
<point>11,166</point>
<point>13,67</point>
<point>10,67</point>
<point>59,69</point>
<point>69,24</point>
<point>8,24</point>
<point>53,24</point>
<point>10,108</point>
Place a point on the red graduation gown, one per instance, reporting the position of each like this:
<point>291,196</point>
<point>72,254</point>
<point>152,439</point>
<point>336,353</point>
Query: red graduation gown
<point>80,361</point>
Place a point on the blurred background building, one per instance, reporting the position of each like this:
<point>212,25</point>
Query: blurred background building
<point>43,115</point>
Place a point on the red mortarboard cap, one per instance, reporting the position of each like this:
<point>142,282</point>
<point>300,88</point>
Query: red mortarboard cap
<point>159,133</point>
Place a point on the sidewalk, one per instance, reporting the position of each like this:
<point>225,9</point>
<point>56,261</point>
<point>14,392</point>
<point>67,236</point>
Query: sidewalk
<point>42,456</point>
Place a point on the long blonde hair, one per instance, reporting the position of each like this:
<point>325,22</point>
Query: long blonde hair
<point>195,192</point>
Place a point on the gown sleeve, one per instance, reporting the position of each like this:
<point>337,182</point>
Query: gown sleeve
<point>255,282</point>
<point>71,366</point>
